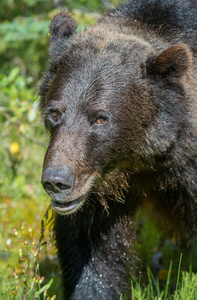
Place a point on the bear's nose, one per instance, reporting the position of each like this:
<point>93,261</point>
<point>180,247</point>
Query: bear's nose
<point>57,180</point>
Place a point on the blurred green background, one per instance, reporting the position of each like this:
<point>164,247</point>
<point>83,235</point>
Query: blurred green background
<point>23,59</point>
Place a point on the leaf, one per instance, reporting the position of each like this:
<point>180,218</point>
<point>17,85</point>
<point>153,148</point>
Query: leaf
<point>45,287</point>
<point>13,74</point>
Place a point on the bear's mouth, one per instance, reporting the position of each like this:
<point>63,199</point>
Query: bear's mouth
<point>67,207</point>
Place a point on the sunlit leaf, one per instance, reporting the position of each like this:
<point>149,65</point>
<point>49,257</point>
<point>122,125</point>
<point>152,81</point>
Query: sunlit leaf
<point>46,287</point>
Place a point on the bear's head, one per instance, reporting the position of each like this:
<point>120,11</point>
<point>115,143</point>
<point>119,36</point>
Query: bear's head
<point>108,102</point>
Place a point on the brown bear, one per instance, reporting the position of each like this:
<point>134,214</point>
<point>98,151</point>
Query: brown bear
<point>120,104</point>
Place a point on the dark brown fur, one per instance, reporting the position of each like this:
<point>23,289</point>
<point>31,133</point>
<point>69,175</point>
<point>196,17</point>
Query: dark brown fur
<point>120,104</point>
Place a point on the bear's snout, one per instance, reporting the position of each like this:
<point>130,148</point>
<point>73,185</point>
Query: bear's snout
<point>58,182</point>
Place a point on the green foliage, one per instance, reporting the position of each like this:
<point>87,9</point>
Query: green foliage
<point>21,133</point>
<point>187,288</point>
<point>149,239</point>
<point>24,45</point>
<point>25,281</point>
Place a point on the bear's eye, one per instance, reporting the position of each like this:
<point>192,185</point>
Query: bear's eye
<point>100,120</point>
<point>54,115</point>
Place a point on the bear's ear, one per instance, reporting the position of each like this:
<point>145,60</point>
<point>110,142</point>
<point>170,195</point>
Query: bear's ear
<point>174,62</point>
<point>62,27</point>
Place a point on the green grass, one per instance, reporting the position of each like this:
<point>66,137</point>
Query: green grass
<point>186,288</point>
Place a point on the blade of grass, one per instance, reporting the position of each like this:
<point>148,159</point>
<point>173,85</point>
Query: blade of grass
<point>179,271</point>
<point>168,281</point>
<point>46,287</point>
<point>150,283</point>
<point>156,284</point>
